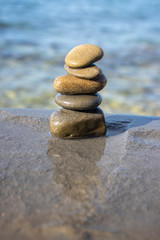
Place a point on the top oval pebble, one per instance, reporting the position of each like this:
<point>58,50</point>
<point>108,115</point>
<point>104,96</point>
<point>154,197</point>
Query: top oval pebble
<point>83,55</point>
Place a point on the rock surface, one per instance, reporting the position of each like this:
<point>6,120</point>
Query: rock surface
<point>79,102</point>
<point>98,188</point>
<point>88,72</point>
<point>83,55</point>
<point>68,84</point>
<point>74,124</point>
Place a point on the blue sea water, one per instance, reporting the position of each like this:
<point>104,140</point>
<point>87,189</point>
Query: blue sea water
<point>36,35</point>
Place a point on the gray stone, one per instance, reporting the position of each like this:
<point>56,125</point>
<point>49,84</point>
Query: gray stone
<point>98,188</point>
<point>79,102</point>
<point>75,124</point>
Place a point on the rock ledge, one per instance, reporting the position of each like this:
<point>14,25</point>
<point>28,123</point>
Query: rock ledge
<point>96,188</point>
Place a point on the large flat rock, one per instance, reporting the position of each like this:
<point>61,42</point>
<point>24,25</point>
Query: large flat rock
<point>97,188</point>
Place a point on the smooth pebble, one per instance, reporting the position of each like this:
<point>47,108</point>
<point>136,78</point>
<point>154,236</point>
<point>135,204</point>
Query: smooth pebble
<point>83,55</point>
<point>79,102</point>
<point>74,124</point>
<point>88,72</point>
<point>68,84</point>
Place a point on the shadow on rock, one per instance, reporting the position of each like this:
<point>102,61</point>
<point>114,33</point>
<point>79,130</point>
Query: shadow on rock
<point>117,124</point>
<point>74,164</point>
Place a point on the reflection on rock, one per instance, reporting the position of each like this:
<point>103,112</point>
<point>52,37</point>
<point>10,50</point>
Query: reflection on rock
<point>75,165</point>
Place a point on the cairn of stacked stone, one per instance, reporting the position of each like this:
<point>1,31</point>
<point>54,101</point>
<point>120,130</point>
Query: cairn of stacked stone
<point>79,116</point>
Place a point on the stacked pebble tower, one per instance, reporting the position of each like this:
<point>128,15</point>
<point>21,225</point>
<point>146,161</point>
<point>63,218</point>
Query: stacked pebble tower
<point>78,97</point>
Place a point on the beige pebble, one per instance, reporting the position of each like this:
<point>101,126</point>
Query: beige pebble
<point>88,72</point>
<point>83,55</point>
<point>68,84</point>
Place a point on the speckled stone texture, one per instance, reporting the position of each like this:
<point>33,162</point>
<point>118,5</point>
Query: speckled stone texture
<point>79,102</point>
<point>83,55</point>
<point>68,84</point>
<point>89,72</point>
<point>97,188</point>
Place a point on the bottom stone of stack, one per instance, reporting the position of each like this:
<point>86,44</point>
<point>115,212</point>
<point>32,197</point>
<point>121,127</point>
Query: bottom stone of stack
<point>74,124</point>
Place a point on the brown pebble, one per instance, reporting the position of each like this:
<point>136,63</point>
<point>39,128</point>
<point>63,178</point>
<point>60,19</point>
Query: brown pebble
<point>83,55</point>
<point>74,124</point>
<point>68,84</point>
<point>88,72</point>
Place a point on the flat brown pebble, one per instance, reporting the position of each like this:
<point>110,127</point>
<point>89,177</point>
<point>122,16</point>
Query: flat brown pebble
<point>68,84</point>
<point>88,72</point>
<point>83,55</point>
<point>74,124</point>
<point>79,102</point>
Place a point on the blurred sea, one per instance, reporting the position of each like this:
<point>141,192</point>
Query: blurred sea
<point>36,35</point>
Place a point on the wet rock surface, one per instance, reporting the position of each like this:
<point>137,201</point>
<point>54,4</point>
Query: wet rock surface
<point>96,188</point>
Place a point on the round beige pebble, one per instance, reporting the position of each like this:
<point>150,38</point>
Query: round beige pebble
<point>88,72</point>
<point>68,84</point>
<point>83,55</point>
